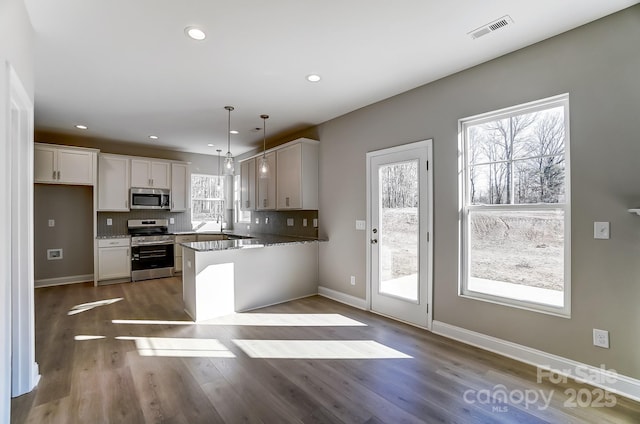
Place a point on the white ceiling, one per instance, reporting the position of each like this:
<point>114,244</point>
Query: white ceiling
<point>126,70</point>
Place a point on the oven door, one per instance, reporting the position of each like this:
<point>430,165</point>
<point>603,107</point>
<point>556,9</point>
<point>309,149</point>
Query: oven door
<point>151,256</point>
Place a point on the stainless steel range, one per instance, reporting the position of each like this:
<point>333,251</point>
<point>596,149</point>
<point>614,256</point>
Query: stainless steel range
<point>151,249</point>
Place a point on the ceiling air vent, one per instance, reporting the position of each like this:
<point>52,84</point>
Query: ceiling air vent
<point>491,26</point>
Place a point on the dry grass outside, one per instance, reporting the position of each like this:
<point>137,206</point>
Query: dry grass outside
<point>398,242</point>
<point>520,247</point>
<point>511,246</point>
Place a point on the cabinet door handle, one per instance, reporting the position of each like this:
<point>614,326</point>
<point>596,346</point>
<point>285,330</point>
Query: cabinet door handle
<point>287,201</point>
<point>264,203</point>
<point>58,174</point>
<point>54,175</point>
<point>126,203</point>
<point>246,203</point>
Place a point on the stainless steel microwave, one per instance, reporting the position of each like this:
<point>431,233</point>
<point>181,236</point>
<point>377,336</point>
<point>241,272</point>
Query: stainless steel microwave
<point>150,198</point>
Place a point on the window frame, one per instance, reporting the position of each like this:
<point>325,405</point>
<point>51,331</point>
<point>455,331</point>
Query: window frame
<point>466,207</point>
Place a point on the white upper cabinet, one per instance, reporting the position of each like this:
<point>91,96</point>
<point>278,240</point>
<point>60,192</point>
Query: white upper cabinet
<point>62,165</point>
<point>113,183</point>
<point>150,173</point>
<point>297,175</point>
<point>179,187</point>
<point>248,184</point>
<point>266,186</point>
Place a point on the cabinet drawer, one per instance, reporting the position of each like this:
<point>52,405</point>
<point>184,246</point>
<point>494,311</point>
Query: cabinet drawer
<point>186,239</point>
<point>114,242</point>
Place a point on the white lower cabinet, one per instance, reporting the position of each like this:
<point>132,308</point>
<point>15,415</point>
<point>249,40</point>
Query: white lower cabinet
<point>114,259</point>
<point>177,250</point>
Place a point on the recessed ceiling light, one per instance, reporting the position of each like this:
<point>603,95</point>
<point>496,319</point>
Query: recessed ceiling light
<point>233,132</point>
<point>210,145</point>
<point>195,33</point>
<point>153,137</point>
<point>82,127</point>
<point>313,78</point>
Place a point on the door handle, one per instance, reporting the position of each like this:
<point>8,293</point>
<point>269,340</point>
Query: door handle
<point>374,241</point>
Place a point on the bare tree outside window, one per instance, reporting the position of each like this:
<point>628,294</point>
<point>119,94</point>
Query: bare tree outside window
<point>207,199</point>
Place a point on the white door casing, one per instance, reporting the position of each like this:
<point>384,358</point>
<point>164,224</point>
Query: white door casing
<point>24,369</point>
<point>408,297</point>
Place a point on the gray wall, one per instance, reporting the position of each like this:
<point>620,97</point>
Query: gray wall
<point>599,66</point>
<point>16,48</point>
<point>71,207</point>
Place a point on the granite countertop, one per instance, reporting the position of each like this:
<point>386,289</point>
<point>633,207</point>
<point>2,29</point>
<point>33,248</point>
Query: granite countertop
<point>114,236</point>
<point>257,241</point>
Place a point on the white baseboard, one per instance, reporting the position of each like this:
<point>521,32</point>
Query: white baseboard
<point>72,279</point>
<point>600,377</point>
<point>347,299</point>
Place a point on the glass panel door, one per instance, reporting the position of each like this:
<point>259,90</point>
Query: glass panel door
<point>399,254</point>
<point>399,228</point>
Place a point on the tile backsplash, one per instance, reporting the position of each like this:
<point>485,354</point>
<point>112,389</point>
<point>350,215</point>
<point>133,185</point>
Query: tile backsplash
<point>268,222</point>
<point>119,220</point>
<point>277,222</point>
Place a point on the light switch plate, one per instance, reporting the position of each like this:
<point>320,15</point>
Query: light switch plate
<point>289,222</point>
<point>315,223</point>
<point>304,222</point>
<point>52,223</point>
<point>172,220</point>
<point>361,224</point>
<point>601,230</point>
<point>109,221</point>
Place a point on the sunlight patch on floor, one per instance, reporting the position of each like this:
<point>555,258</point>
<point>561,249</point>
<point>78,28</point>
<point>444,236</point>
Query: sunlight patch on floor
<point>318,349</point>
<point>83,307</point>
<point>262,320</point>
<point>179,347</point>
<point>82,337</point>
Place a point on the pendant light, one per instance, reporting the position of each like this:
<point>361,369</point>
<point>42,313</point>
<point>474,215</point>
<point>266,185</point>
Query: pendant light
<point>228,160</point>
<point>219,176</point>
<point>264,163</point>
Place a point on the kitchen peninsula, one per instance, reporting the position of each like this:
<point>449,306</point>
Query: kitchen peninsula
<point>226,276</point>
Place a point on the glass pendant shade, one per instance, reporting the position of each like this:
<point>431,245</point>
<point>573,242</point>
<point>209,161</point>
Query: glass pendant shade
<point>228,164</point>
<point>263,165</point>
<point>228,160</point>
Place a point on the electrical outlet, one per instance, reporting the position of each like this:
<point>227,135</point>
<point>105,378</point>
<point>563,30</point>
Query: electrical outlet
<point>360,224</point>
<point>353,280</point>
<point>315,223</point>
<point>172,220</point>
<point>257,221</point>
<point>601,338</point>
<point>109,221</point>
<point>304,222</point>
<point>289,222</point>
<point>52,223</point>
<point>54,254</point>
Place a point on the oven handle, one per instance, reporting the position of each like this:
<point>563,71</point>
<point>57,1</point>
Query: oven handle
<point>163,255</point>
<point>152,243</point>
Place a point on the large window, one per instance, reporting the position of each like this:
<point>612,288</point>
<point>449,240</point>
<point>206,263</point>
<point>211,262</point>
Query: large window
<point>515,206</point>
<point>207,201</point>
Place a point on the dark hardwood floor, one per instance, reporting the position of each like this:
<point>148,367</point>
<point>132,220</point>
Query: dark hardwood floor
<point>293,365</point>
